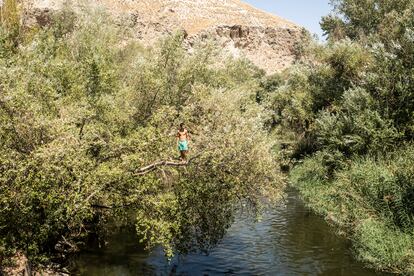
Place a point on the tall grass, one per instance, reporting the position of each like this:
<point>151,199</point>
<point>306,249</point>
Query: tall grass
<point>372,197</point>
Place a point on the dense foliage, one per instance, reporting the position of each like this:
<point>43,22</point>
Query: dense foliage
<point>347,108</point>
<point>83,106</point>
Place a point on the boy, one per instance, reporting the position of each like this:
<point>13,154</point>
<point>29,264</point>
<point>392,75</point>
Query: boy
<point>182,141</point>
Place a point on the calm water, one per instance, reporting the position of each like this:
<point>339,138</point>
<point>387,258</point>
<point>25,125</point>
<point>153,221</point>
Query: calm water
<point>289,240</point>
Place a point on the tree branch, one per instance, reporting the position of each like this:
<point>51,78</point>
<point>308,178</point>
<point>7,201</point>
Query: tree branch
<point>165,163</point>
<point>111,207</point>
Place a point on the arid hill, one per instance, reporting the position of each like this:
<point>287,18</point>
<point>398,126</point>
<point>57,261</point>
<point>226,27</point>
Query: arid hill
<point>267,40</point>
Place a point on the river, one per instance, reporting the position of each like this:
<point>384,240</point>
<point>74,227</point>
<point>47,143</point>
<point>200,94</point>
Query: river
<point>288,240</point>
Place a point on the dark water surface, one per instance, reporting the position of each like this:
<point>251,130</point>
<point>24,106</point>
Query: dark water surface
<point>289,240</point>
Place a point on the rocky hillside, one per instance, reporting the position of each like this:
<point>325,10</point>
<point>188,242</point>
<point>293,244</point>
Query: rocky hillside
<point>265,39</point>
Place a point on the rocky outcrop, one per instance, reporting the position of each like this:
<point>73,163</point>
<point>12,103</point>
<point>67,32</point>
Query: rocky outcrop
<point>241,30</point>
<point>270,48</point>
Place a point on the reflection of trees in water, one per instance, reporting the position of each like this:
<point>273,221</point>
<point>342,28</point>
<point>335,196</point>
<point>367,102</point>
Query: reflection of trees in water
<point>198,214</point>
<point>205,222</point>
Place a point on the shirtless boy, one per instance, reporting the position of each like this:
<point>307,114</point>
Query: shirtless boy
<point>182,141</point>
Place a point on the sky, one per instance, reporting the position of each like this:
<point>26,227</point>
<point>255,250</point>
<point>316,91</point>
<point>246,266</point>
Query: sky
<point>306,13</point>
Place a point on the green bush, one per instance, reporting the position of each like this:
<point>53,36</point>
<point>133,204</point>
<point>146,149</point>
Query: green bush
<point>343,65</point>
<point>356,127</point>
<point>383,247</point>
<point>372,197</point>
<point>290,102</point>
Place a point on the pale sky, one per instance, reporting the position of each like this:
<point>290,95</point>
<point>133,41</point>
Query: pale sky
<point>306,13</point>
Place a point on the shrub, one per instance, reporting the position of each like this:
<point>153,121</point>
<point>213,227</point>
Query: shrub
<point>356,128</point>
<point>383,247</point>
<point>372,197</point>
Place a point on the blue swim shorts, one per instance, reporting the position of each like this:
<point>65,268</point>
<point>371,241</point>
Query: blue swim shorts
<point>182,145</point>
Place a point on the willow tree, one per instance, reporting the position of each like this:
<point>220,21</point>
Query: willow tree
<point>83,107</point>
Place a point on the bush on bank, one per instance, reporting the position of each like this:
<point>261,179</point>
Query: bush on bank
<point>371,198</point>
<point>348,106</point>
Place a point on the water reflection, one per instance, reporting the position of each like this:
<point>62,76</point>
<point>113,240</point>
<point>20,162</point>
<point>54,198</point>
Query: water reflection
<point>289,240</point>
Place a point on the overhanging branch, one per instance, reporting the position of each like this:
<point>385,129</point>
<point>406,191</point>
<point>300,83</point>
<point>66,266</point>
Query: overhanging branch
<point>165,163</point>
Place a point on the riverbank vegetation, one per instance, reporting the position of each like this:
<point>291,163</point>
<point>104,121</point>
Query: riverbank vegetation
<point>347,109</point>
<point>83,107</point>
